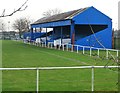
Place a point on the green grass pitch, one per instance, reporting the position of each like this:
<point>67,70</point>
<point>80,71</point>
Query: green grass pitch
<point>17,54</point>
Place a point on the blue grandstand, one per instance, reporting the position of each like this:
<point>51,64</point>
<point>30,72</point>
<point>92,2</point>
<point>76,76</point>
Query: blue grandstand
<point>86,26</point>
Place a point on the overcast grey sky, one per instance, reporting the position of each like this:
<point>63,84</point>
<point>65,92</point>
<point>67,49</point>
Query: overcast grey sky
<point>37,7</point>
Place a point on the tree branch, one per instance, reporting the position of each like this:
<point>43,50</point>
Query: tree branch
<point>21,8</point>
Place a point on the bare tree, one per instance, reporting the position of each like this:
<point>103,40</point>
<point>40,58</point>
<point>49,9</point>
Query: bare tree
<point>21,8</point>
<point>22,25</point>
<point>2,25</point>
<point>51,12</point>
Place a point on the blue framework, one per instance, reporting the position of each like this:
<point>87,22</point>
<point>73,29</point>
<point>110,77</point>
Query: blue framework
<point>52,24</point>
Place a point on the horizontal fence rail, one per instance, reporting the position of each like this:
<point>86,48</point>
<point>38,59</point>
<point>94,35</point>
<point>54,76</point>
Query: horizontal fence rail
<point>60,68</point>
<point>53,68</point>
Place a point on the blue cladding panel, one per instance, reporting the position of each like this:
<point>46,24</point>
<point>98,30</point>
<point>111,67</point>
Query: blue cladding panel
<point>91,16</point>
<point>26,34</point>
<point>37,35</point>
<point>52,24</point>
<point>33,35</point>
<point>94,17</point>
<point>103,36</point>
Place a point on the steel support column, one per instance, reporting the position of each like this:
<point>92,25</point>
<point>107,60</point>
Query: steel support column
<point>46,37</point>
<point>32,36</point>
<point>72,33</point>
<point>61,34</point>
<point>40,32</point>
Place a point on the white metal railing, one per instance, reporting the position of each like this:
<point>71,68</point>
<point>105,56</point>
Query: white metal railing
<point>90,50</point>
<point>59,68</point>
<point>51,45</point>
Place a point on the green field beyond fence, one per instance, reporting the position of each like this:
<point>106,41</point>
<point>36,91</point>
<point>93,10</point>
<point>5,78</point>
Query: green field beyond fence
<point>17,54</point>
<point>117,43</point>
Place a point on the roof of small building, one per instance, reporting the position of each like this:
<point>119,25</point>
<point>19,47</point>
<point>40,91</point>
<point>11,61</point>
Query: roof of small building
<point>61,16</point>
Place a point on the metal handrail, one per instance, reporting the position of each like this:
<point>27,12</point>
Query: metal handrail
<point>59,68</point>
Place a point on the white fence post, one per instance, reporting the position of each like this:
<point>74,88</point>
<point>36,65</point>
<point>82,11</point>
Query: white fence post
<point>83,50</point>
<point>106,54</point>
<point>48,45</point>
<point>92,78</point>
<point>59,47</point>
<point>67,46</point>
<point>29,42</point>
<point>45,44</point>
<point>42,44</point>
<point>63,46</point>
<point>37,81</point>
<point>72,48</point>
<point>32,43</point>
<point>117,55</point>
<point>38,44</point>
<point>55,47</point>
<point>90,51</point>
<point>98,52</point>
<point>77,48</point>
<point>51,45</point>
